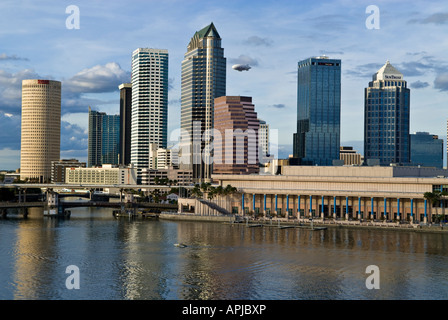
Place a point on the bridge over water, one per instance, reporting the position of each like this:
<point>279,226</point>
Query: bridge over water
<point>61,187</point>
<point>24,206</point>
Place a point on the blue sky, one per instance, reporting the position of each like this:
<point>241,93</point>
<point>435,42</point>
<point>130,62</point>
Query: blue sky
<point>272,36</point>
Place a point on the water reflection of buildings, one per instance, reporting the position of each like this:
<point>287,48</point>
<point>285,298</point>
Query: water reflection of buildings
<point>143,271</point>
<point>34,254</point>
<point>125,259</point>
<point>235,262</point>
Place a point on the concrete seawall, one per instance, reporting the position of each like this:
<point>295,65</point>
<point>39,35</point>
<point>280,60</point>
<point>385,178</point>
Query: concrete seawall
<point>295,223</point>
<point>195,217</point>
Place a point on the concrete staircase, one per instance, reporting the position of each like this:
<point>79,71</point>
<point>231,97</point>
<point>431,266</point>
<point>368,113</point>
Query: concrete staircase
<point>214,207</point>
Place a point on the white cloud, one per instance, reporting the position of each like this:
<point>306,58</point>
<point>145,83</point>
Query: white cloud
<point>244,59</point>
<point>11,89</point>
<point>97,79</point>
<point>258,41</point>
<point>441,82</point>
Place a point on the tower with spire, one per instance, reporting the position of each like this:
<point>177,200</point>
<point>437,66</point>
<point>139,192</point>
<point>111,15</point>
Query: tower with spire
<point>203,80</point>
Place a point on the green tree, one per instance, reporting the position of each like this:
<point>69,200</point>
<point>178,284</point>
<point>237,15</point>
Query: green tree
<point>196,192</point>
<point>434,198</point>
<point>205,186</point>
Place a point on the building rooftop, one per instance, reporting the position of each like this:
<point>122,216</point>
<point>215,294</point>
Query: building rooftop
<point>388,72</point>
<point>207,31</point>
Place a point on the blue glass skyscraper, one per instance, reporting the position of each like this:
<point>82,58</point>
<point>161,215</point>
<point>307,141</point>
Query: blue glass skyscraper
<point>426,150</point>
<point>104,139</point>
<point>110,139</point>
<point>317,141</point>
<point>386,118</point>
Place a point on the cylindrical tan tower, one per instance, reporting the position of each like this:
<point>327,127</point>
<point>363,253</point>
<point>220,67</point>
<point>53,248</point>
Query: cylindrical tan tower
<point>41,128</point>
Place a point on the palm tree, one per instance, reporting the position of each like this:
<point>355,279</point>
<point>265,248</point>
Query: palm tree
<point>434,197</point>
<point>211,193</point>
<point>196,191</point>
<point>230,190</point>
<point>219,190</point>
<point>205,186</point>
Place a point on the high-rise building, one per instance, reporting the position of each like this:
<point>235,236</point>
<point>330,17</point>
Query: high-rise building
<point>125,123</point>
<point>149,104</point>
<point>94,138</point>
<point>203,80</point>
<point>236,147</point>
<point>111,140</point>
<point>426,150</point>
<point>263,138</point>
<point>317,140</point>
<point>41,128</point>
<point>386,118</point>
<point>103,140</point>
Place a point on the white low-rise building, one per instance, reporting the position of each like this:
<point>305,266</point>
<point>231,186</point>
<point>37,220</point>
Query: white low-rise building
<point>105,175</point>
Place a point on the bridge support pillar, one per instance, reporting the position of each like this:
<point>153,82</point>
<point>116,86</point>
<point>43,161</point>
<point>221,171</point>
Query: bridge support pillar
<point>24,212</point>
<point>3,212</point>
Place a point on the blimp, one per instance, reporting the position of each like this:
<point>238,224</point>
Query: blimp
<point>241,67</point>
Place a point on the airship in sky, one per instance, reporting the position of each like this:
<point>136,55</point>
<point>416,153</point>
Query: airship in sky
<point>241,67</point>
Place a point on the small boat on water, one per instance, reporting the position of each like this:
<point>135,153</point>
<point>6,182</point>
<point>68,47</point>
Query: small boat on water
<point>180,245</point>
<point>123,213</point>
<point>55,213</point>
<point>152,214</point>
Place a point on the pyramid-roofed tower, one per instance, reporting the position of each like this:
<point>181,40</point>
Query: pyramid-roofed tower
<point>387,72</point>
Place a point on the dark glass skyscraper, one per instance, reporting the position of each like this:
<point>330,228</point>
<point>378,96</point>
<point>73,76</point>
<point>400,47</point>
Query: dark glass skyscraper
<point>203,80</point>
<point>125,123</point>
<point>426,150</point>
<point>317,141</point>
<point>386,118</point>
<point>103,140</point>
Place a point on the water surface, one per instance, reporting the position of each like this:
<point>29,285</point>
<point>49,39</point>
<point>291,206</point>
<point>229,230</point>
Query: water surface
<point>122,259</point>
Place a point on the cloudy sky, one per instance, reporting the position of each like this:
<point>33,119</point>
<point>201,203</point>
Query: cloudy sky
<point>272,36</point>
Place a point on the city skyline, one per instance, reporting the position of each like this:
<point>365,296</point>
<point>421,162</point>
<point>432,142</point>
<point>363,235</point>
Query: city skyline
<point>91,62</point>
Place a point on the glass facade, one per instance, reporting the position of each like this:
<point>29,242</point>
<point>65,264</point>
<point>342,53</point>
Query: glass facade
<point>125,123</point>
<point>203,80</point>
<point>104,139</point>
<point>317,141</point>
<point>426,150</point>
<point>94,139</point>
<point>386,118</point>
<point>110,139</point>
